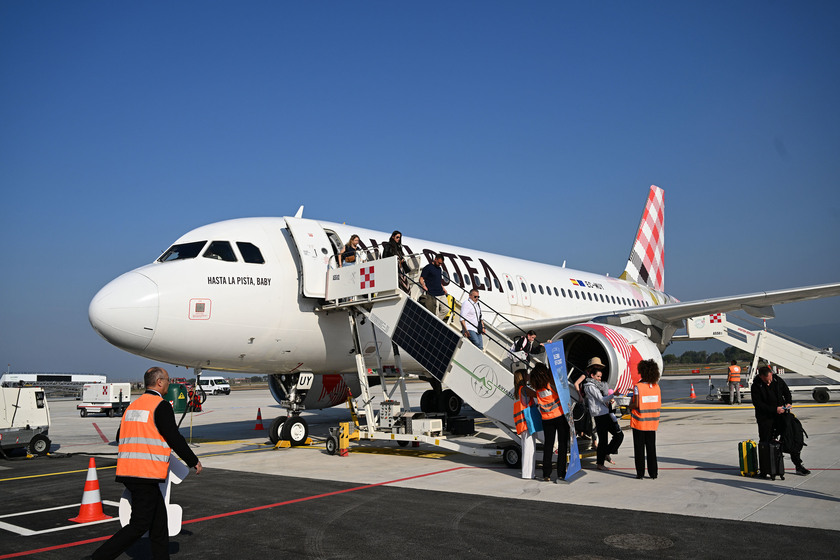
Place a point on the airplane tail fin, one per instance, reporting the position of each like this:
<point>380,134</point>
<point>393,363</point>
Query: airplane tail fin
<point>646,264</point>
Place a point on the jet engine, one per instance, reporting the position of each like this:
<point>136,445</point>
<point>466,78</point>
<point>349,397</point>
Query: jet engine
<point>621,349</point>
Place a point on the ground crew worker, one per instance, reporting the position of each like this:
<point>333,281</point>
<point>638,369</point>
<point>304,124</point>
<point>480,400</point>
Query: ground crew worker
<point>553,420</point>
<point>644,418</point>
<point>524,399</point>
<point>734,380</point>
<point>147,434</point>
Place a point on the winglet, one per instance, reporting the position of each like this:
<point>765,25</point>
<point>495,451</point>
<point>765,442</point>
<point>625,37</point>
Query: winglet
<point>646,264</point>
<point>299,213</point>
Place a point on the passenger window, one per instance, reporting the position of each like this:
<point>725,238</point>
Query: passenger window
<point>590,296</point>
<point>220,250</point>
<point>510,285</point>
<point>524,288</point>
<point>533,289</point>
<point>556,293</point>
<point>563,292</point>
<point>541,290</point>
<point>182,251</point>
<point>497,284</point>
<point>250,252</point>
<point>466,280</point>
<point>577,294</point>
<point>456,277</point>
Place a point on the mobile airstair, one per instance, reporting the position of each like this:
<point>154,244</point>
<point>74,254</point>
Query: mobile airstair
<point>481,378</point>
<point>774,348</point>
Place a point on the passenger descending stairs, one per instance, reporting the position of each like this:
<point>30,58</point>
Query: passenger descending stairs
<point>774,348</point>
<point>481,378</point>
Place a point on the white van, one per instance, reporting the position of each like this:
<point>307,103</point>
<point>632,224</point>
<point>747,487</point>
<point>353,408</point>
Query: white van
<point>215,385</point>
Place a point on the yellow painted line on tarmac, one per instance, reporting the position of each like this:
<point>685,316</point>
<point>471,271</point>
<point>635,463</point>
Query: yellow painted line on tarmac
<point>403,452</point>
<point>745,407</point>
<point>55,474</point>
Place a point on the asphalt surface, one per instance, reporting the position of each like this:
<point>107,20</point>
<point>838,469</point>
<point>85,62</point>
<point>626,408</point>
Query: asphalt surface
<point>240,515</point>
<point>253,501</point>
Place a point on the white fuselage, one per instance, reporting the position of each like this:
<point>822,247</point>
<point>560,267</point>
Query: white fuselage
<point>253,317</point>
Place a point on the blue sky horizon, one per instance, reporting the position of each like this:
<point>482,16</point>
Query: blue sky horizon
<point>532,130</point>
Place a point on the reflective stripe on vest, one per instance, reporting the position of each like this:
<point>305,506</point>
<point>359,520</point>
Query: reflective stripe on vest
<point>646,417</point>
<point>549,403</point>
<point>734,374</point>
<point>143,453</point>
<point>519,412</point>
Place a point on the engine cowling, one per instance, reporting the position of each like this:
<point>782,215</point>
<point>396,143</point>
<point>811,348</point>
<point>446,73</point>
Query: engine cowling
<point>327,390</point>
<point>620,348</point>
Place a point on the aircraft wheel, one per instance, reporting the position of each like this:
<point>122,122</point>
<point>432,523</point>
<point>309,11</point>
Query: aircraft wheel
<point>512,456</point>
<point>39,445</point>
<point>428,403</point>
<point>821,395</point>
<point>83,412</point>
<point>450,403</point>
<point>275,431</point>
<point>110,413</point>
<point>332,445</point>
<point>402,443</point>
<point>295,430</point>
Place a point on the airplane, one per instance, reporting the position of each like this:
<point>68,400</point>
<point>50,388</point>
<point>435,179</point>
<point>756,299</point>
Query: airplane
<point>247,295</point>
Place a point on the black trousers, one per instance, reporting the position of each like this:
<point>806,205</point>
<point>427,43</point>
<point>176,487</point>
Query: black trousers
<point>767,429</point>
<point>148,513</point>
<point>644,442</point>
<point>604,425</point>
<point>559,428</point>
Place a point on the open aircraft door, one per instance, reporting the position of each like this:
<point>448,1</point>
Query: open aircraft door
<point>315,251</point>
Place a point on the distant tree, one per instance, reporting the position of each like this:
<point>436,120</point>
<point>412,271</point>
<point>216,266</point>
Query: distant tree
<point>715,358</point>
<point>256,378</point>
<point>732,353</point>
<point>670,359</point>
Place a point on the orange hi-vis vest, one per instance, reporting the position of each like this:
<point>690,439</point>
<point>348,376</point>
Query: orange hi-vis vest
<point>143,453</point>
<point>519,406</point>
<point>734,374</point>
<point>649,401</point>
<point>549,403</point>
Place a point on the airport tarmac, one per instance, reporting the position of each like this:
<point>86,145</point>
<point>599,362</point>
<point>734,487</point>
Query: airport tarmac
<point>382,501</point>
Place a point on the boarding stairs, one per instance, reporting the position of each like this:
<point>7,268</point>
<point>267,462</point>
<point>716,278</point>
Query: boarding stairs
<point>773,347</point>
<point>482,379</point>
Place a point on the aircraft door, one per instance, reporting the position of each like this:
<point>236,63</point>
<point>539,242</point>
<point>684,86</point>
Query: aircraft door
<point>315,251</point>
<point>522,288</point>
<point>510,288</point>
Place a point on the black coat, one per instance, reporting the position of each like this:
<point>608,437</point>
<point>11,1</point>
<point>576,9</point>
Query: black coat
<point>766,398</point>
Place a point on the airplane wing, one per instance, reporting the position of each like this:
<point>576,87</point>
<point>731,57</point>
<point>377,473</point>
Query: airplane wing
<point>759,304</point>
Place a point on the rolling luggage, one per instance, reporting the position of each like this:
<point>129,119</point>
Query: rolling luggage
<point>748,457</point>
<point>770,460</point>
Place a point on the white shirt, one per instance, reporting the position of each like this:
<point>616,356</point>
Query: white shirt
<point>471,312</point>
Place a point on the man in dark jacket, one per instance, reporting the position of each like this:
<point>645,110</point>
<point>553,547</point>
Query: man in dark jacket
<point>771,399</point>
<point>147,433</point>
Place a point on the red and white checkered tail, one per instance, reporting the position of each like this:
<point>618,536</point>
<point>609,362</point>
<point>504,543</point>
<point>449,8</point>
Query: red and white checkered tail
<point>646,264</point>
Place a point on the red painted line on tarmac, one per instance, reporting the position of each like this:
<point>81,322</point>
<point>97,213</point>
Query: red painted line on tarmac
<point>56,547</point>
<point>317,496</point>
<point>98,431</point>
<point>231,513</point>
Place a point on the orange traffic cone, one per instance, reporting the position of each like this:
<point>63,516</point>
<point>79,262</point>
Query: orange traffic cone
<point>693,395</point>
<point>91,509</point>
<point>259,425</point>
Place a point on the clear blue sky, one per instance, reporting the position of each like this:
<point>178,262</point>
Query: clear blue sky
<point>526,128</point>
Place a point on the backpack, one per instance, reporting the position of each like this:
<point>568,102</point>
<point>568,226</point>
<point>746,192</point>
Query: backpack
<point>792,434</point>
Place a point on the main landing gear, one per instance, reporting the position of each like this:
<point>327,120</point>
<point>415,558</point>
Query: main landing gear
<point>438,400</point>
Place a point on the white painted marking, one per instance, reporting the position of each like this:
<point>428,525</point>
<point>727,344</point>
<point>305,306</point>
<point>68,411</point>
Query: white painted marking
<point>24,532</point>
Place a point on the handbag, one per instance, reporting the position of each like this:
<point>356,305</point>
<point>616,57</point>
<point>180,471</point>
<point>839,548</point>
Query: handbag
<point>533,419</point>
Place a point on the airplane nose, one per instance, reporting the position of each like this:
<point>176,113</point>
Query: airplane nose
<point>125,311</point>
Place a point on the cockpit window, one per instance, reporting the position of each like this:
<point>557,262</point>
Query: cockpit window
<point>182,251</point>
<point>220,250</point>
<point>250,252</point>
